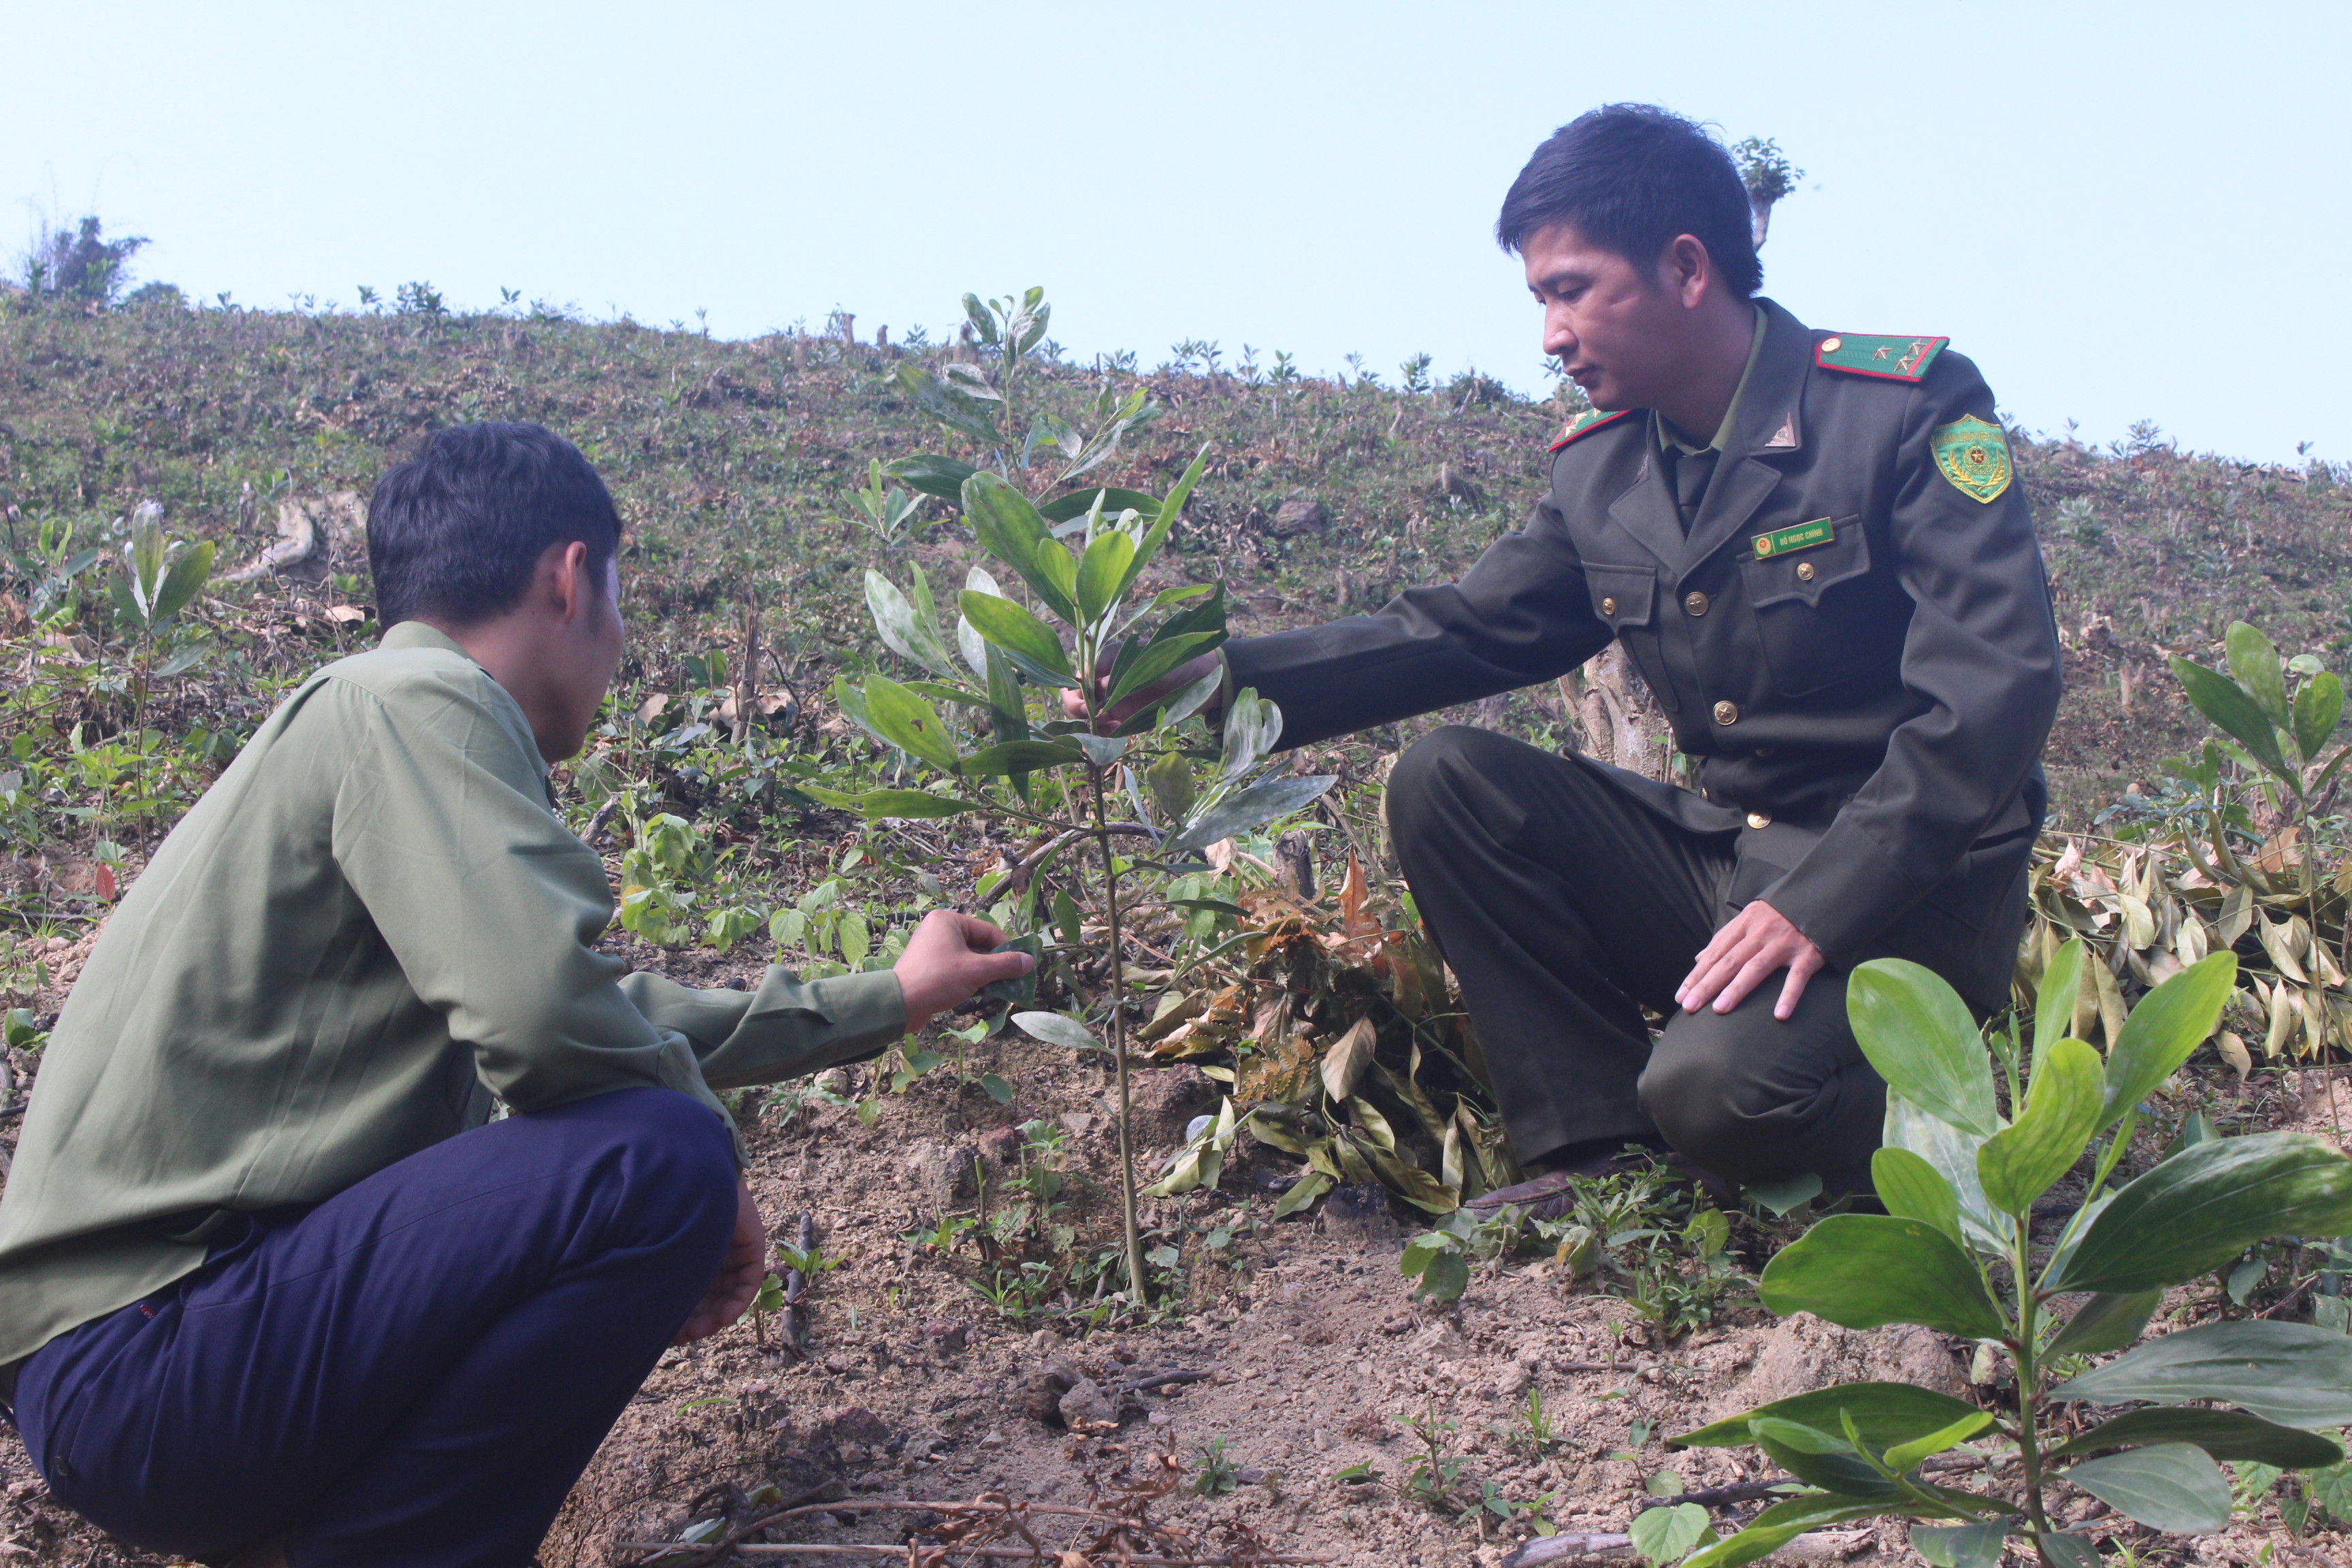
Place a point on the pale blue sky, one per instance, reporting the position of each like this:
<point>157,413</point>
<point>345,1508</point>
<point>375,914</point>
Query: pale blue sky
<point>2121,211</point>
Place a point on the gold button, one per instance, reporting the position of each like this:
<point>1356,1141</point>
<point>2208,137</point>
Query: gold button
<point>1759,819</point>
<point>1694,602</point>
<point>1804,571</point>
<point>1727,712</point>
<point>1832,345</point>
<point>1608,606</point>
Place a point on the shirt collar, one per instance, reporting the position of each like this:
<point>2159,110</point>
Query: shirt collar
<point>1668,436</point>
<point>417,634</point>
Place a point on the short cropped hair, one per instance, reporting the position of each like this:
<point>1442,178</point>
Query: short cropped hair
<point>1631,176</point>
<point>455,532</point>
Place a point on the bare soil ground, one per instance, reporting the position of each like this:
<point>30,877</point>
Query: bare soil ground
<point>1316,1361</point>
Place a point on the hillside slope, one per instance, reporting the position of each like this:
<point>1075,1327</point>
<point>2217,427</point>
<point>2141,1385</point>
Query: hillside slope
<point>730,460</point>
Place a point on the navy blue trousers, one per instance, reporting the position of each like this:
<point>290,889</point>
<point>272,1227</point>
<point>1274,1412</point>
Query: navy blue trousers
<point>414,1371</point>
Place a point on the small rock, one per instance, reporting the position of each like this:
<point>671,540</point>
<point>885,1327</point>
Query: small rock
<point>1042,1398</point>
<point>1000,1146</point>
<point>992,1441</point>
<point>833,1081</point>
<point>1299,514</point>
<point>948,1339</point>
<point>1077,1123</point>
<point>943,1172</point>
<point>1086,1405</point>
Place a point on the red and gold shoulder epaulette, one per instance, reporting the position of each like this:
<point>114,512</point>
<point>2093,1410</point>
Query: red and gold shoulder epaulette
<point>1889,359</point>
<point>1585,423</point>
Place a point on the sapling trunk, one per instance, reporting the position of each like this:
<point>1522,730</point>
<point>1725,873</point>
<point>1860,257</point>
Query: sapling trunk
<point>1136,1282</point>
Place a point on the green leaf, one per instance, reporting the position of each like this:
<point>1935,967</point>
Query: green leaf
<point>2205,1206</point>
<point>1960,1545</point>
<point>1163,655</point>
<point>1903,1455</point>
<point>2332,1489</point>
<point>1783,1522</point>
<point>1785,1197</point>
<point>2234,713</point>
<point>913,638</point>
<point>1247,810</point>
<point>909,723</point>
<point>1953,1153</point>
<point>2023,1160</point>
<point>1009,527</point>
<point>2053,1005</point>
<point>1304,1191</point>
<point>1666,1535</point>
<point>983,320</point>
<point>1820,1459</point>
<point>965,410</point>
<point>1447,1276</point>
<point>2254,660</point>
<point>1019,757</point>
<point>1056,576</point>
<point>2169,1486</point>
<point>1885,1414</point>
<point>931,474</point>
<point>1913,1189</point>
<point>181,583</point>
<point>2289,1373</point>
<point>1029,640</point>
<point>1181,705</point>
<point>1172,507</point>
<point>2223,1433</point>
<point>2165,1030</point>
<point>2070,1550</point>
<point>1253,726</point>
<point>2105,1323</point>
<point>1915,1030</point>
<point>2317,707</point>
<point>1056,1030</point>
<point>1101,573</point>
<point>183,658</point>
<point>1860,1271</point>
<point>876,803</point>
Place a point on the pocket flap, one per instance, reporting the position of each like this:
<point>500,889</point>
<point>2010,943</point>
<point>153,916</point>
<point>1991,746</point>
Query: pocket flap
<point>1808,574</point>
<point>1621,595</point>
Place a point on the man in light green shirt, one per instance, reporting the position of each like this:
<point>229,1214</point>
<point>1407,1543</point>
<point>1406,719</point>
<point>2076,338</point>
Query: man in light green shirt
<point>264,1252</point>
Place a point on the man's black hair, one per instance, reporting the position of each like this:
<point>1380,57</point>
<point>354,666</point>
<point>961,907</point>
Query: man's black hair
<point>1631,176</point>
<point>454,533</point>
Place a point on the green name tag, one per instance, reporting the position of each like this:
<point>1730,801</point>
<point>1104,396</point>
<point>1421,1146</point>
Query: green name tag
<point>1805,536</point>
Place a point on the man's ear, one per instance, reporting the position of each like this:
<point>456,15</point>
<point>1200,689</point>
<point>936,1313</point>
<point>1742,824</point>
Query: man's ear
<point>1686,270</point>
<point>572,585</point>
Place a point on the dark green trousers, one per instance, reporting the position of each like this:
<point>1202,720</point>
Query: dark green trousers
<point>1565,906</point>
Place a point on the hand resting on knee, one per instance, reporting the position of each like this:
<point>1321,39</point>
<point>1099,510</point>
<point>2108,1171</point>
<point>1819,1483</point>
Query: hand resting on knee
<point>1745,952</point>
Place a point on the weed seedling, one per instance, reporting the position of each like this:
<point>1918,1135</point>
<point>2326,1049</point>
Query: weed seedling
<point>1214,1470</point>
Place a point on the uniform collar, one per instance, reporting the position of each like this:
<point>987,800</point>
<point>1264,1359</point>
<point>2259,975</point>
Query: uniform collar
<point>1669,437</point>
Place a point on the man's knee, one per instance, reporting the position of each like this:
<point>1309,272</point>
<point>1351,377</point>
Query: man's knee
<point>660,1142</point>
<point>1426,787</point>
<point>1756,1098</point>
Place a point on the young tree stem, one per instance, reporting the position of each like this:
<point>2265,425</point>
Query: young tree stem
<point>1137,1285</point>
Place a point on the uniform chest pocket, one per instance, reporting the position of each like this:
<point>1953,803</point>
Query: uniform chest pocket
<point>1810,620</point>
<point>1623,596</point>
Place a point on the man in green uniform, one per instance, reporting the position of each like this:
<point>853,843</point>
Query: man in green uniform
<point>1811,546</point>
<point>271,1275</point>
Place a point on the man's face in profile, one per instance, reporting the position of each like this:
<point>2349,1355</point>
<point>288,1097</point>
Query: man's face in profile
<point>1612,324</point>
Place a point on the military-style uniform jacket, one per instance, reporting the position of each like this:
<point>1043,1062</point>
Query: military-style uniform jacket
<point>1854,638</point>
